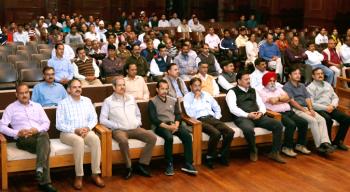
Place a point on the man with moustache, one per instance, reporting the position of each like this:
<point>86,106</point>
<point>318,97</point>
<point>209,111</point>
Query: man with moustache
<point>29,126</point>
<point>202,106</point>
<point>165,115</point>
<point>121,114</point>
<point>325,102</point>
<point>249,113</point>
<point>48,93</point>
<point>300,100</point>
<point>275,99</point>
<point>141,62</point>
<point>75,118</point>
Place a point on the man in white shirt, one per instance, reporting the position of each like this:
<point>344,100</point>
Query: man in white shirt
<point>227,79</point>
<point>163,22</point>
<point>256,76</point>
<point>345,53</point>
<point>68,51</point>
<point>212,40</point>
<point>21,35</point>
<point>101,32</point>
<point>197,27</point>
<point>160,63</point>
<point>322,39</point>
<point>242,38</point>
<point>249,112</point>
<point>174,22</point>
<point>315,58</point>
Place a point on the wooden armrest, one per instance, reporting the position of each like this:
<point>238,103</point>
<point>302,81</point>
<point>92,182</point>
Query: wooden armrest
<point>189,120</point>
<point>100,129</point>
<point>274,115</point>
<point>2,139</point>
<point>197,137</point>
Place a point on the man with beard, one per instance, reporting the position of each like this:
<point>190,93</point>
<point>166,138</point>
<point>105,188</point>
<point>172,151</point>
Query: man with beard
<point>275,99</point>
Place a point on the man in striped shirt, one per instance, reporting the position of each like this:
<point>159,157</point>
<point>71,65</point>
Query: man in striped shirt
<point>75,118</point>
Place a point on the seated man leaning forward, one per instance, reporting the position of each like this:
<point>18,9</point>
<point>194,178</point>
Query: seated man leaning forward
<point>249,112</point>
<point>165,115</point>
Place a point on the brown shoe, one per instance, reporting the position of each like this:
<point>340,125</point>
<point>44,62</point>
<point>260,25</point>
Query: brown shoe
<point>98,181</point>
<point>78,183</point>
<point>277,157</point>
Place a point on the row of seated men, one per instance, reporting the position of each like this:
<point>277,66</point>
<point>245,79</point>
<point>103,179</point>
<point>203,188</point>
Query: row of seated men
<point>314,106</point>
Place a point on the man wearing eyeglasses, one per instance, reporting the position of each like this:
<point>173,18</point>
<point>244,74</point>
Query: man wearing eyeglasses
<point>48,93</point>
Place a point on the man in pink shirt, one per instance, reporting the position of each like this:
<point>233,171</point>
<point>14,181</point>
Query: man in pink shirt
<point>29,124</point>
<point>276,99</point>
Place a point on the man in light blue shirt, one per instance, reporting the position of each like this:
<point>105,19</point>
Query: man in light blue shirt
<point>270,52</point>
<point>63,67</point>
<point>186,63</point>
<point>48,93</point>
<point>202,106</point>
<point>75,118</point>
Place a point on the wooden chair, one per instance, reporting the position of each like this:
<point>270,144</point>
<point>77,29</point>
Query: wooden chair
<point>16,160</point>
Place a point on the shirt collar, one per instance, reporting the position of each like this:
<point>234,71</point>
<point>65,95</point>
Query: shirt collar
<point>243,89</point>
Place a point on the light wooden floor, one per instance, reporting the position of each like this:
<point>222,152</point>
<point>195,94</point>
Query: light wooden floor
<point>305,173</point>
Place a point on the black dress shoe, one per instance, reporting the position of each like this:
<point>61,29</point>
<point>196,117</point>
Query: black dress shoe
<point>47,188</point>
<point>223,161</point>
<point>342,147</point>
<point>329,148</point>
<point>39,176</point>
<point>142,170</point>
<point>209,163</point>
<point>128,173</point>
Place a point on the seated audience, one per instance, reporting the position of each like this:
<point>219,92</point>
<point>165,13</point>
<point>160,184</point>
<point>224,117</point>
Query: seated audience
<point>227,79</point>
<point>296,57</point>
<point>141,62</point>
<point>277,100</point>
<point>325,102</point>
<point>315,58</point>
<point>332,59</point>
<point>135,85</point>
<point>75,118</point>
<point>165,115</point>
<point>29,126</point>
<point>85,69</point>
<point>203,107</point>
<point>73,37</point>
<point>300,100</point>
<point>177,86</point>
<point>209,84</point>
<point>270,52</point>
<point>112,65</point>
<point>258,73</point>
<point>251,49</point>
<point>197,27</point>
<point>63,67</point>
<point>242,38</point>
<point>214,68</point>
<point>48,93</point>
<point>186,63</point>
<point>212,40</point>
<point>249,112</point>
<point>21,35</point>
<point>121,114</point>
<point>111,40</point>
<point>160,63</point>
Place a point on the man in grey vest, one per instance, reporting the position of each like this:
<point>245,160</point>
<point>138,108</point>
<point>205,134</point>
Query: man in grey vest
<point>177,87</point>
<point>249,112</point>
<point>205,56</point>
<point>165,115</point>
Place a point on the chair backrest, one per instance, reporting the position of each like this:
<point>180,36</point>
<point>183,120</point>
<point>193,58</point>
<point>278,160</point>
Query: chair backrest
<point>43,46</point>
<point>36,58</point>
<point>31,75</point>
<point>8,78</point>
<point>24,53</point>
<point>46,53</point>
<point>152,89</point>
<point>14,58</point>
<point>43,63</point>
<point>24,65</point>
